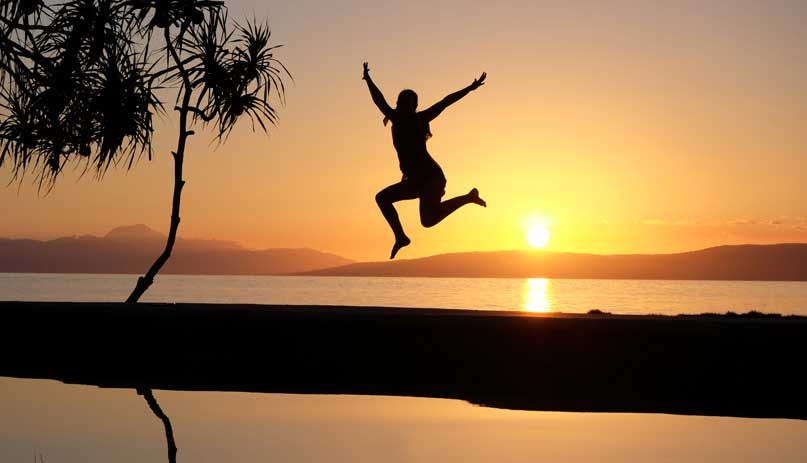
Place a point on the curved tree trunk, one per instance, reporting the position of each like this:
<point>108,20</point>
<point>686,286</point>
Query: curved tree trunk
<point>144,282</point>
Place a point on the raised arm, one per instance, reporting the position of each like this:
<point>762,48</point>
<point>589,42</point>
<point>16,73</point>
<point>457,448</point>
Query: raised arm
<point>437,108</point>
<point>378,97</point>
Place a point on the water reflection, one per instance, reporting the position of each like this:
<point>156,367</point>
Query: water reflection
<point>42,416</point>
<point>568,295</point>
<point>536,295</point>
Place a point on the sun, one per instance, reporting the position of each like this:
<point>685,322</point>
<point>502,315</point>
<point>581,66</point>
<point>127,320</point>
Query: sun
<point>538,235</point>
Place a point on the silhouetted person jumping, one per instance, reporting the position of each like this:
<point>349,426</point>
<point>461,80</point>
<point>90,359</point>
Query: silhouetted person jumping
<point>422,177</point>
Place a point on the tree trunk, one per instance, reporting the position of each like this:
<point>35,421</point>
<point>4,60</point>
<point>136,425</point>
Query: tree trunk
<point>144,282</point>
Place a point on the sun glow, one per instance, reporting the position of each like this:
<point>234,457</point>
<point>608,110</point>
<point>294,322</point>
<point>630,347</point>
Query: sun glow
<point>538,235</point>
<point>536,295</point>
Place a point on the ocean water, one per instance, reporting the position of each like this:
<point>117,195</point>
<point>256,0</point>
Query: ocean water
<point>531,294</point>
<point>81,424</point>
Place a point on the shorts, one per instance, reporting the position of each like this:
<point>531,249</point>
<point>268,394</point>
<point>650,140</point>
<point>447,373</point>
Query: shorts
<point>430,183</point>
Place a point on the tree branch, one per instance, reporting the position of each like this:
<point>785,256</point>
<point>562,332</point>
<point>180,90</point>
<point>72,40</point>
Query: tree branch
<point>199,113</point>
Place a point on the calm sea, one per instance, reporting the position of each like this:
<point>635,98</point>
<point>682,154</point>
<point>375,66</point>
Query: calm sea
<point>532,294</point>
<point>79,424</point>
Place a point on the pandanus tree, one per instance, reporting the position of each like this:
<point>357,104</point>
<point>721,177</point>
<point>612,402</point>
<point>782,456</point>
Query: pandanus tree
<point>82,80</point>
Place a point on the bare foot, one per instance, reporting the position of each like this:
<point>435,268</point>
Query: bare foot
<point>474,197</point>
<point>399,243</point>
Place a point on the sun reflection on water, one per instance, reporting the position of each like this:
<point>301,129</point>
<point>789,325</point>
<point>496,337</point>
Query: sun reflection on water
<point>536,295</point>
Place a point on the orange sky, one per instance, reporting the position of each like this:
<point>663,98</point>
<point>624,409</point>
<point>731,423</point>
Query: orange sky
<point>631,127</point>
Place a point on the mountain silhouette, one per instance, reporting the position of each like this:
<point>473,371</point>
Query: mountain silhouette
<point>134,232</point>
<point>776,262</point>
<point>131,249</point>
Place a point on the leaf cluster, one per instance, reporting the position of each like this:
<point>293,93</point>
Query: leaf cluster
<point>234,73</point>
<point>79,80</point>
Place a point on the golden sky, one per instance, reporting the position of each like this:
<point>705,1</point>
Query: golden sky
<point>630,126</point>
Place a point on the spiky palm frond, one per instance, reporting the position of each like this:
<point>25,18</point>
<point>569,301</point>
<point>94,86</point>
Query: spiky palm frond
<point>15,14</point>
<point>123,109</point>
<point>205,45</point>
<point>84,86</point>
<point>19,26</point>
<point>18,129</point>
<point>258,57</point>
<point>166,13</point>
<point>235,73</point>
<point>78,80</point>
<point>81,30</point>
<point>31,138</point>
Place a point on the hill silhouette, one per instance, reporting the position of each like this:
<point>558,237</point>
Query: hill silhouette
<point>131,249</point>
<point>134,232</point>
<point>776,262</point>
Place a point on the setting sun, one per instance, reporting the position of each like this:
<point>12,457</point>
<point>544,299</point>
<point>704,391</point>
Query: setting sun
<point>538,235</point>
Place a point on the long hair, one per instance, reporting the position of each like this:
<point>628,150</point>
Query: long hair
<point>407,104</point>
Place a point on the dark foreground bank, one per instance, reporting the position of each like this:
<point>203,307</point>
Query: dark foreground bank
<point>729,366</point>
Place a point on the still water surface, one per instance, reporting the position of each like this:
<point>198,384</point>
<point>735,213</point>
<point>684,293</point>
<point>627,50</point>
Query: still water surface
<point>79,424</point>
<point>533,294</point>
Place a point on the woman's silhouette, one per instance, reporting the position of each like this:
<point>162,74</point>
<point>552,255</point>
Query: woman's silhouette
<point>422,177</point>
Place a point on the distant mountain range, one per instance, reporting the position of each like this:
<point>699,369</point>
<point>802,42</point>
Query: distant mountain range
<point>132,249</point>
<point>776,262</point>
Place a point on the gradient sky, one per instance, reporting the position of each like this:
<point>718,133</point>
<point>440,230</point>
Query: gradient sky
<point>630,126</point>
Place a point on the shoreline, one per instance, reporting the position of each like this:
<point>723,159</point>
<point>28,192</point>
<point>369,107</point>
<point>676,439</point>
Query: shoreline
<point>312,274</point>
<point>722,365</point>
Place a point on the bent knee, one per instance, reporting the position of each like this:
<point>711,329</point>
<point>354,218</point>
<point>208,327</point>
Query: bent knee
<point>381,198</point>
<point>428,221</point>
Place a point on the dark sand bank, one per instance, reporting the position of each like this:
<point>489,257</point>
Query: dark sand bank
<point>703,365</point>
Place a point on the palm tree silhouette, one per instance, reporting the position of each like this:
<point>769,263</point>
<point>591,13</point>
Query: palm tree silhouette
<point>79,82</point>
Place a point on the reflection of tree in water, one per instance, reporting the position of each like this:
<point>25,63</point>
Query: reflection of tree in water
<point>78,81</point>
<point>158,411</point>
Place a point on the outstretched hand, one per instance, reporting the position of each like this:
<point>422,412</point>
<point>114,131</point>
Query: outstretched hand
<point>478,82</point>
<point>366,73</point>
